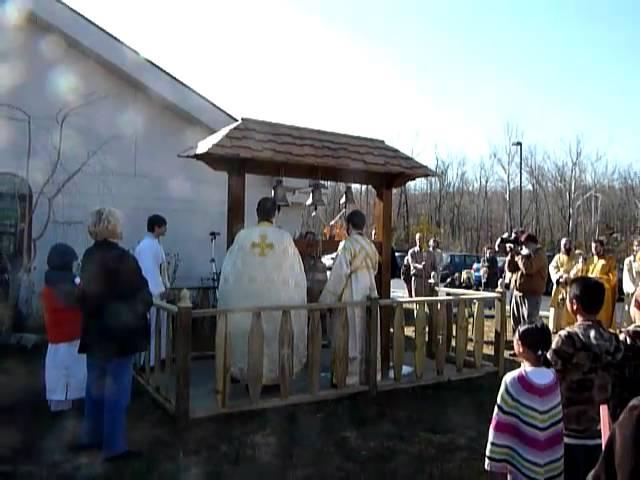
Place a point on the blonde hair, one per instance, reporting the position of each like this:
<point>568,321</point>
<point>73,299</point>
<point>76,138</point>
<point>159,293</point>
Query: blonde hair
<point>105,224</point>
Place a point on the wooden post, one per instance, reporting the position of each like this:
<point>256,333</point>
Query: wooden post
<point>169,360</point>
<point>440,324</point>
<point>183,359</point>
<point>255,357</point>
<point>421,333</point>
<point>314,350</point>
<point>235,202</point>
<point>285,353</point>
<point>157,350</point>
<point>223,361</point>
<point>478,333</point>
<point>462,331</point>
<point>383,223</point>
<point>340,344</point>
<point>450,323</point>
<point>500,336</point>
<point>398,343</point>
<point>431,321</point>
<point>372,346</point>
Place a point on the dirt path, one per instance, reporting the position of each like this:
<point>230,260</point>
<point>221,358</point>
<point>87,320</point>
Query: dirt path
<point>435,432</point>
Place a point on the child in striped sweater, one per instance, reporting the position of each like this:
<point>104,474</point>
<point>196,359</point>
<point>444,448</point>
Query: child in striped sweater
<point>525,436</point>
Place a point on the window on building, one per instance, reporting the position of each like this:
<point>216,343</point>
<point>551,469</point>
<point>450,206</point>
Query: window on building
<point>15,226</point>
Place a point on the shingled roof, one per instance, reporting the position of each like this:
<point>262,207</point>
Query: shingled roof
<point>274,149</point>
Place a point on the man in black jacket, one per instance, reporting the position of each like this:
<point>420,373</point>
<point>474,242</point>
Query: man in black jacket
<point>489,269</point>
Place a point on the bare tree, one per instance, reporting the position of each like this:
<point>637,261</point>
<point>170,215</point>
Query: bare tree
<point>49,191</point>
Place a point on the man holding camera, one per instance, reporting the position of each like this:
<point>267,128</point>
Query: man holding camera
<point>527,264</point>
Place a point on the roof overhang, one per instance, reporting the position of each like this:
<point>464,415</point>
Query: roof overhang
<point>271,149</point>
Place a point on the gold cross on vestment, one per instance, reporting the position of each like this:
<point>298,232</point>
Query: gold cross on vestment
<point>262,246</point>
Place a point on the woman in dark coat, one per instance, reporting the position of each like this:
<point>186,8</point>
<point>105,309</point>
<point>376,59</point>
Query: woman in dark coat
<point>115,300</point>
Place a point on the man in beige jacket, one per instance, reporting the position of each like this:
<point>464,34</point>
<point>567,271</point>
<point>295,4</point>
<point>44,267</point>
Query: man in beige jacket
<point>528,266</point>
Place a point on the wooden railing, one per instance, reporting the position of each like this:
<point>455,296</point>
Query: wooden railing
<point>160,375</point>
<point>445,348</point>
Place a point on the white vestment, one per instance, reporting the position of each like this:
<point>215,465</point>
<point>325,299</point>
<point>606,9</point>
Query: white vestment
<point>263,268</point>
<point>151,257</point>
<point>353,279</point>
<point>65,374</point>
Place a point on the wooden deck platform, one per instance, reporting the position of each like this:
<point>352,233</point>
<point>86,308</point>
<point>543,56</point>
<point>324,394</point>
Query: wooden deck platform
<point>203,401</point>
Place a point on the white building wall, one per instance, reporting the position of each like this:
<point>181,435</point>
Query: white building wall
<point>136,170</point>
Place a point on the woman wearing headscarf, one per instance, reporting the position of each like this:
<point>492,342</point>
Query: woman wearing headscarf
<point>65,369</point>
<point>115,301</point>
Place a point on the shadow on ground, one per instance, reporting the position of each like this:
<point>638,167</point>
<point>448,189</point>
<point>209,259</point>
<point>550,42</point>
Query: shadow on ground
<point>436,432</point>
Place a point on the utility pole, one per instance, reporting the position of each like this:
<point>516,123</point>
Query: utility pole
<point>519,145</point>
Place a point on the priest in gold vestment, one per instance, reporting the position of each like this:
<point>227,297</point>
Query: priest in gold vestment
<point>560,272</point>
<point>352,278</point>
<point>603,267</point>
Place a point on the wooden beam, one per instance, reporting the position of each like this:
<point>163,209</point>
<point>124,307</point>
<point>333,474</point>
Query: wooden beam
<point>307,170</point>
<point>383,222</point>
<point>236,184</point>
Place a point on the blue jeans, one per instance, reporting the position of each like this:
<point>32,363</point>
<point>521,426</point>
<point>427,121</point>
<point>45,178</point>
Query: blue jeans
<point>106,401</point>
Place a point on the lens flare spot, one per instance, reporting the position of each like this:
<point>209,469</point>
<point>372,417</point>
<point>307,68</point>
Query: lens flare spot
<point>180,188</point>
<point>14,12</point>
<point>130,122</point>
<point>64,84</point>
<point>11,74</point>
<point>6,134</point>
<point>52,47</point>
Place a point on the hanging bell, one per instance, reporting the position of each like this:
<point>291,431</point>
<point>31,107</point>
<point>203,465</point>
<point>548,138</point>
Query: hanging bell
<point>347,197</point>
<point>280,194</point>
<point>315,198</point>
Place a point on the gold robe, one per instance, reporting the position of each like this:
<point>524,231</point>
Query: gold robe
<point>560,317</point>
<point>604,269</point>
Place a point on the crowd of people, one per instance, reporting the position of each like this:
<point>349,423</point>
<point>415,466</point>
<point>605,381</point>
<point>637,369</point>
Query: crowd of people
<point>552,414</point>
<point>547,420</point>
<point>97,321</point>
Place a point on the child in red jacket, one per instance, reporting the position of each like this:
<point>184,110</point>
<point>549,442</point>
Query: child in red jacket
<point>65,368</point>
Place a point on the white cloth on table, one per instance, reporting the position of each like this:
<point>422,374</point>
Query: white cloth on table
<point>65,373</point>
<point>263,268</point>
<point>352,279</point>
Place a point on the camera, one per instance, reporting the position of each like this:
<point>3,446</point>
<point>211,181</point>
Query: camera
<point>508,238</point>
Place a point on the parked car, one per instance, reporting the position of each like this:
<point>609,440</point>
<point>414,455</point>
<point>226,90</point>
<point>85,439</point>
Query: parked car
<point>330,259</point>
<point>454,262</point>
<point>401,255</point>
<point>620,287</point>
<point>477,273</point>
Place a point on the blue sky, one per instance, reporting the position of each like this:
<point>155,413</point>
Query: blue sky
<point>423,75</point>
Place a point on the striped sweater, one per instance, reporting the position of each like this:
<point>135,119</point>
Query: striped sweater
<point>525,437</point>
